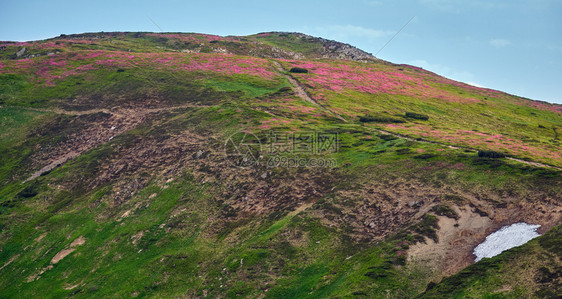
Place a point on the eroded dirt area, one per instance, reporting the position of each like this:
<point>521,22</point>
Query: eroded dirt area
<point>76,132</point>
<point>457,238</point>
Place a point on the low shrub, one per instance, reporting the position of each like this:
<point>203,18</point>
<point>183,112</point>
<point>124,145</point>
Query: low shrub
<point>415,115</point>
<point>546,173</point>
<point>379,119</point>
<point>388,137</point>
<point>427,227</point>
<point>445,210</point>
<point>551,241</point>
<point>403,151</point>
<point>29,191</point>
<point>489,162</point>
<point>298,70</point>
<point>430,285</point>
<point>454,198</point>
<point>376,274</point>
<point>490,154</point>
<point>425,156</point>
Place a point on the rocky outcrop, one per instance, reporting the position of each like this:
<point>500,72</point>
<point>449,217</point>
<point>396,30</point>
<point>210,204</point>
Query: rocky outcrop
<point>20,52</point>
<point>337,50</point>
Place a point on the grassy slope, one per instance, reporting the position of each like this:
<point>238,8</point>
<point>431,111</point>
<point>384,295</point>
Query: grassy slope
<point>458,114</point>
<point>187,235</point>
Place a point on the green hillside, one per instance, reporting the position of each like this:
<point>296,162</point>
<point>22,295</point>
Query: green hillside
<point>118,176</point>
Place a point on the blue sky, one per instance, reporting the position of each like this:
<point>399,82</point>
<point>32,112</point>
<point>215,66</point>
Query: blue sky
<point>514,46</point>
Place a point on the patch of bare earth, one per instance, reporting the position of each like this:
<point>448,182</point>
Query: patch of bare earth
<point>458,238</point>
<point>375,210</point>
<point>65,252</point>
<point>453,251</point>
<point>71,286</point>
<point>40,237</point>
<point>78,135</point>
<point>13,258</point>
<point>85,130</point>
<point>58,257</point>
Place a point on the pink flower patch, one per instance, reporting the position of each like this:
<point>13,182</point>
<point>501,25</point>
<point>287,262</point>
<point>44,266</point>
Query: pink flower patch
<point>340,77</point>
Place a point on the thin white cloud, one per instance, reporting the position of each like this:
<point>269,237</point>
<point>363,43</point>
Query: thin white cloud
<point>375,3</point>
<point>456,6</point>
<point>444,5</point>
<point>475,84</point>
<point>436,68</point>
<point>499,43</point>
<point>445,71</point>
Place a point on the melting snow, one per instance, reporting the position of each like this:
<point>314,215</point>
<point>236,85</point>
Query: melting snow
<point>505,238</point>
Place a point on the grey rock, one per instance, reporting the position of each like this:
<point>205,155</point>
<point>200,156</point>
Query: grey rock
<point>21,52</point>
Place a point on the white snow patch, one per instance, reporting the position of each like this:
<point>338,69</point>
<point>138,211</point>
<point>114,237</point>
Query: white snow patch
<point>506,238</point>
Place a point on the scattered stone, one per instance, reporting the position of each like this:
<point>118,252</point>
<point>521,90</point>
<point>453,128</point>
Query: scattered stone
<point>21,52</point>
<point>40,237</point>
<point>10,261</point>
<point>65,252</point>
<point>125,215</point>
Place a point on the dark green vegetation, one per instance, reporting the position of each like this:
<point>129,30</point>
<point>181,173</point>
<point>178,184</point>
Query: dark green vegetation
<point>113,179</point>
<point>299,70</point>
<point>417,116</point>
<point>380,119</point>
<point>445,210</point>
<point>490,154</point>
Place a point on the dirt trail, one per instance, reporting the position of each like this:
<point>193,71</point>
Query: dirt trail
<point>301,92</point>
<point>60,111</point>
<point>117,112</point>
<point>51,166</point>
<point>303,206</point>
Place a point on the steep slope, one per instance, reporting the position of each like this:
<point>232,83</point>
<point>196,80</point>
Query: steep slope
<point>115,177</point>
